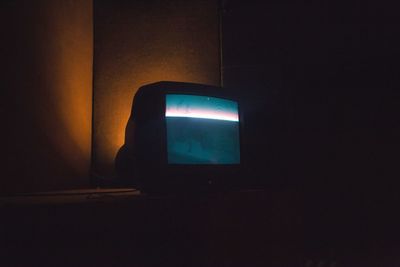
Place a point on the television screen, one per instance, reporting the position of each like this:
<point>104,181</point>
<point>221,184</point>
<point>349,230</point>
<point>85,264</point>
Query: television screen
<point>202,130</point>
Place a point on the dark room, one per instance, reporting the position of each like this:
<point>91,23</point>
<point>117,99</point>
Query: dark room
<point>215,133</point>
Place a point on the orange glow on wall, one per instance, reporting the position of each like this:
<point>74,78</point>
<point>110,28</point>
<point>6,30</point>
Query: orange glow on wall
<point>137,44</point>
<point>68,64</point>
<point>49,95</point>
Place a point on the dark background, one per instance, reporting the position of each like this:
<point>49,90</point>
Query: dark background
<point>320,88</point>
<point>322,82</point>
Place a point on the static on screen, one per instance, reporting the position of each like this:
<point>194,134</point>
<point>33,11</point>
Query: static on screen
<point>202,130</point>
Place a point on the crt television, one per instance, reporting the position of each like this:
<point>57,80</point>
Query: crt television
<point>180,137</point>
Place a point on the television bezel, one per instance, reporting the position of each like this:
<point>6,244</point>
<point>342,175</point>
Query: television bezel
<point>173,176</point>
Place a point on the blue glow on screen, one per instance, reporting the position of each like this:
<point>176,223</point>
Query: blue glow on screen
<point>202,130</point>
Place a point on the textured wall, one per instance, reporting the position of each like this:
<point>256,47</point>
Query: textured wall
<point>139,42</point>
<point>46,66</point>
<point>323,85</point>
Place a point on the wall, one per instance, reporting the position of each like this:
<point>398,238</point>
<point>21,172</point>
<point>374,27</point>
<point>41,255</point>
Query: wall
<point>323,84</point>
<point>46,94</point>
<point>139,42</point>
<point>322,78</point>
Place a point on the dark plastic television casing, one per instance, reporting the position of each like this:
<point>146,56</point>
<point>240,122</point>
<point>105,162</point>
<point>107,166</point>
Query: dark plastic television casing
<point>142,161</point>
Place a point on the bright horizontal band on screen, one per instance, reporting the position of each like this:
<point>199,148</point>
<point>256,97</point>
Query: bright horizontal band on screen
<point>202,114</point>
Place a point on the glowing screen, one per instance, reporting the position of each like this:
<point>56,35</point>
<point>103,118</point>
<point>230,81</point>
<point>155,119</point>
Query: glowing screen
<point>202,130</point>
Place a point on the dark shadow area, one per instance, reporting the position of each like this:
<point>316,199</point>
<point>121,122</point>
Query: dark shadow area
<point>231,229</point>
<point>321,82</point>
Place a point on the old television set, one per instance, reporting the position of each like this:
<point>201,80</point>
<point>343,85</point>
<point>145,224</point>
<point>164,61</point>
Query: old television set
<point>182,137</point>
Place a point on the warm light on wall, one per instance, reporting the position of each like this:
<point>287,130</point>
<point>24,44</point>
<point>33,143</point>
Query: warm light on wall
<point>47,107</point>
<point>67,60</point>
<point>137,44</point>
<point>115,117</point>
